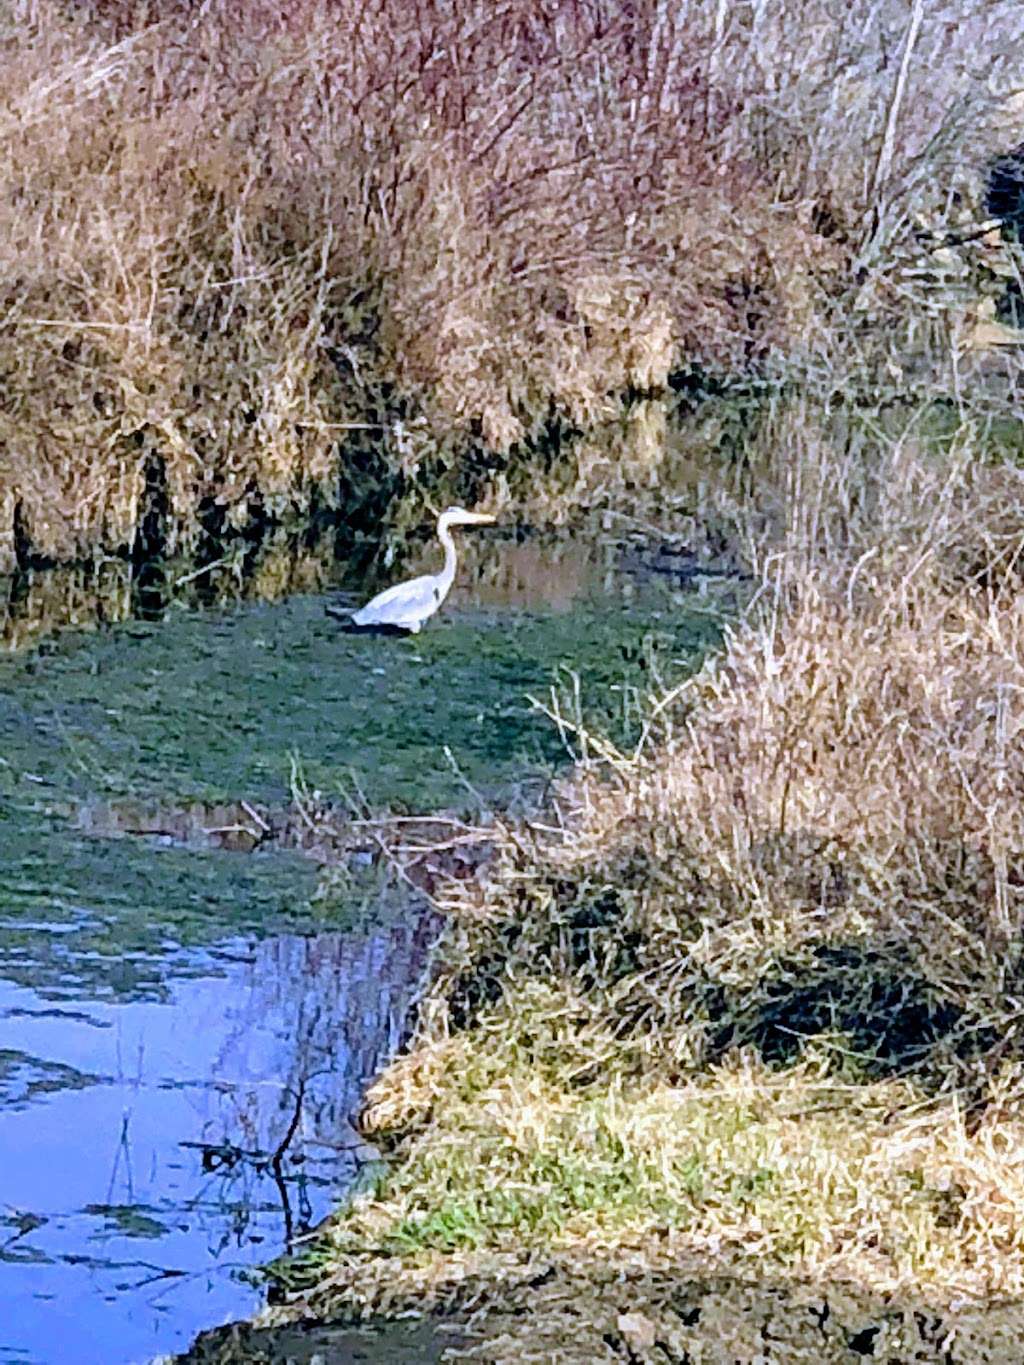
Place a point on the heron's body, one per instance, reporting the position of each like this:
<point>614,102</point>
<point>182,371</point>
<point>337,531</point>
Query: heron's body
<point>407,605</point>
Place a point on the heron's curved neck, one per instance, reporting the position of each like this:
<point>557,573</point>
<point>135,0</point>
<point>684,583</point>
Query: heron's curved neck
<point>444,535</point>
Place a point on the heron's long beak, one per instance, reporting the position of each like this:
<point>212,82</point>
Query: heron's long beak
<point>479,519</point>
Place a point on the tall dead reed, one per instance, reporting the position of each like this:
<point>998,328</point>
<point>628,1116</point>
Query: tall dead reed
<point>252,252</point>
<point>821,831</point>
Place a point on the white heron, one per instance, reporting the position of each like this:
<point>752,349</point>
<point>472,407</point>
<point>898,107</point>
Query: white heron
<point>407,605</point>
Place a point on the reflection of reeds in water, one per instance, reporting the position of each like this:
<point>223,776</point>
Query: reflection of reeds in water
<point>35,604</point>
<point>535,571</point>
<point>551,572</point>
<point>38,602</point>
<point>317,1017</point>
<point>493,572</point>
<point>309,1021</point>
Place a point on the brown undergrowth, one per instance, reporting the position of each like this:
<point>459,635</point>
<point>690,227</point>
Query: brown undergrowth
<point>743,1011</point>
<point>259,257</point>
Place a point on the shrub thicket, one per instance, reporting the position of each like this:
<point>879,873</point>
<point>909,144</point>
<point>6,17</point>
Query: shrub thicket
<point>752,1009</point>
<point>256,255</point>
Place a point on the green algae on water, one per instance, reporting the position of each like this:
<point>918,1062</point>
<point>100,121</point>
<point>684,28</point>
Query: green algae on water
<point>225,705</point>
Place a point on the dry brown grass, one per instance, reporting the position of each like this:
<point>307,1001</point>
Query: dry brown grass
<point>748,1006</point>
<point>231,232</point>
<point>825,824</point>
<point>739,1212</point>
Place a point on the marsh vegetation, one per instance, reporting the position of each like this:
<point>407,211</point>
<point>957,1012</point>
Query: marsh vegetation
<point>722,1051</point>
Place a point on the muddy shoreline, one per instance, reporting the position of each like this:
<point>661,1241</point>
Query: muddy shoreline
<point>641,1309</point>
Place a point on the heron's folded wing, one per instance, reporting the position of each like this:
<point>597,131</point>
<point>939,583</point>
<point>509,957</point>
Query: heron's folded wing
<point>405,601</point>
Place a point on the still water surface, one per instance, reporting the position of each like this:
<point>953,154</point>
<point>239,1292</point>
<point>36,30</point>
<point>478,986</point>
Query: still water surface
<point>172,1016</point>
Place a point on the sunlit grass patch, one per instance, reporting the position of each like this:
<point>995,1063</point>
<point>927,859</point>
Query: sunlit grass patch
<point>791,1175</point>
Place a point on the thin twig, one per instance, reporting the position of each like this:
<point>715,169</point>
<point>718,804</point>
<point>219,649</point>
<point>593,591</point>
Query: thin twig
<point>889,140</point>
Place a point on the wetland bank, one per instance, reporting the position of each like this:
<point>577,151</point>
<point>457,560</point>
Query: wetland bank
<point>209,1006</point>
<point>716,1056</point>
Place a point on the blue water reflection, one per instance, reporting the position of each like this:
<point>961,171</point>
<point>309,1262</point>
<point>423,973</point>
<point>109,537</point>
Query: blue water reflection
<point>134,1185</point>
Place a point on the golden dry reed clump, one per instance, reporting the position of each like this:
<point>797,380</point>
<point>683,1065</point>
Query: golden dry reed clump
<point>825,825</point>
<point>233,237</point>
<point>725,1054</point>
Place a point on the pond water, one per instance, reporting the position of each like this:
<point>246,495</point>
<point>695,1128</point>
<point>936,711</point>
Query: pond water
<point>185,1030</point>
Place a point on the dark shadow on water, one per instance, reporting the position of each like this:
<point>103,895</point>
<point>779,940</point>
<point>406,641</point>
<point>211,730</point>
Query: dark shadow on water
<point>348,627</point>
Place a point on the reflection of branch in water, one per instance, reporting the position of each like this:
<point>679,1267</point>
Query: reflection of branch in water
<point>276,1160</point>
<point>226,1162</point>
<point>223,1156</point>
<point>122,1146</point>
<point>23,1223</point>
<point>316,1018</point>
<point>159,1273</point>
<point>226,1158</point>
<point>169,1280</point>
